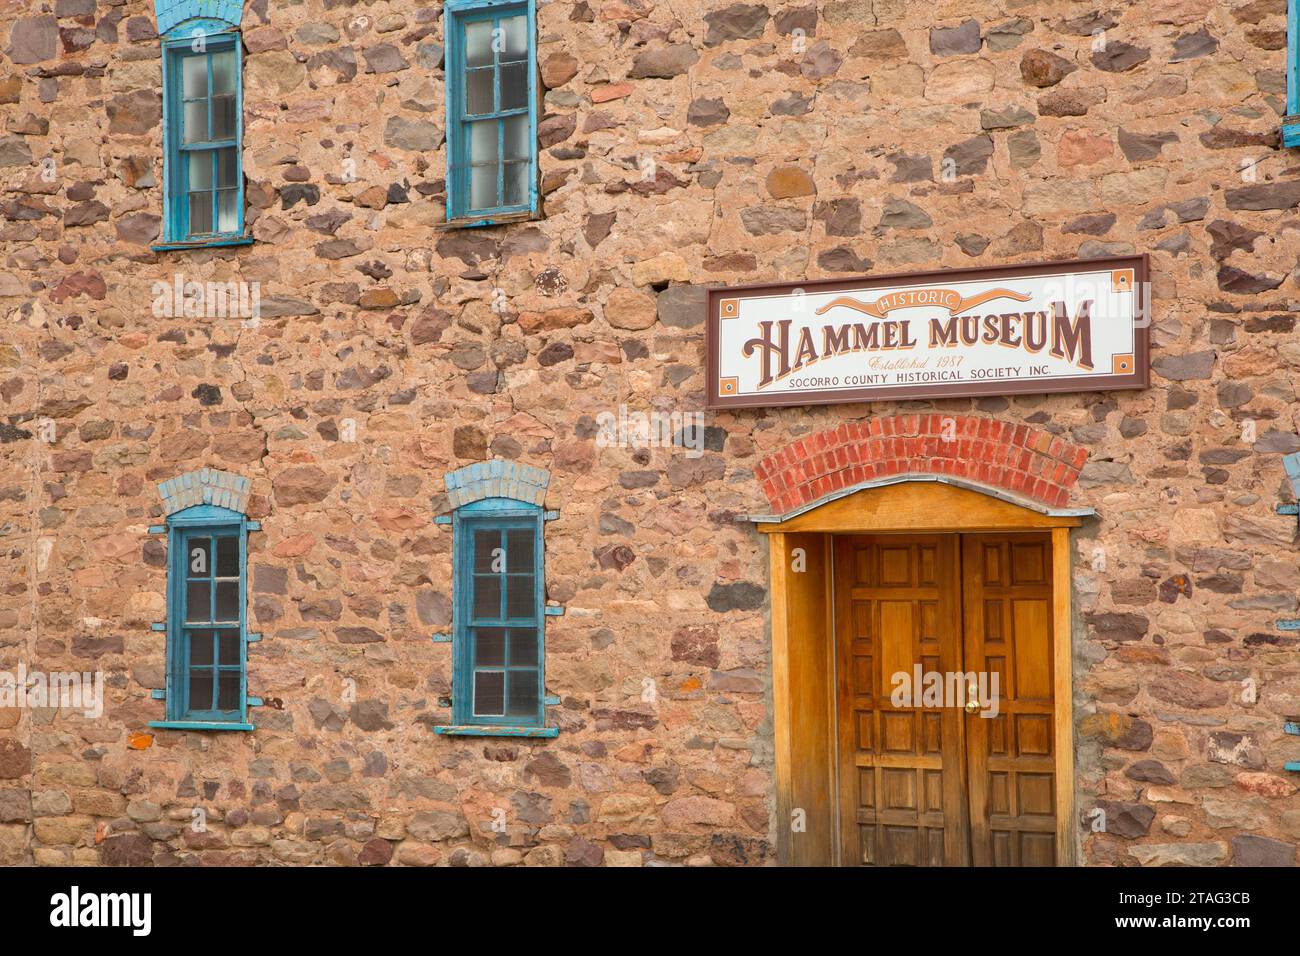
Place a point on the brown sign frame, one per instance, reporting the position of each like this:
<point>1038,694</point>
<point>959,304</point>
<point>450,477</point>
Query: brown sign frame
<point>1139,378</point>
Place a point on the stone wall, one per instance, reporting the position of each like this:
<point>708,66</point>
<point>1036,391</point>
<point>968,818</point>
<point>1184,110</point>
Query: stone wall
<point>683,144</point>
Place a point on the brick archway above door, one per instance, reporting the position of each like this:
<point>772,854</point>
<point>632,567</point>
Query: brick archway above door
<point>1016,460</point>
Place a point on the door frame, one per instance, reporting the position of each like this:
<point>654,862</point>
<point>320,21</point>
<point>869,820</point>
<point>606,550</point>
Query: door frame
<point>803,642</point>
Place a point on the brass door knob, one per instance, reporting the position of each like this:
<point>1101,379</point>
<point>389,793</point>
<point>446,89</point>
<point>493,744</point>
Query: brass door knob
<point>972,699</point>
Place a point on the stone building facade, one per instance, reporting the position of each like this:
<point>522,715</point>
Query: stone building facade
<point>681,145</point>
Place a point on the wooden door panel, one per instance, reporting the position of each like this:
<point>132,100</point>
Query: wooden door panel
<point>902,797</point>
<point>1007,594</point>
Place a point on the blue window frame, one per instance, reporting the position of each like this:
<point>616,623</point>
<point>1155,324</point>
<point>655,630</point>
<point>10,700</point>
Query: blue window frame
<point>1291,122</point>
<point>491,110</point>
<point>203,125</point>
<point>499,617</point>
<point>207,622</point>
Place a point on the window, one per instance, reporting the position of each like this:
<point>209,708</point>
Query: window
<point>202,135</point>
<point>491,111</point>
<point>207,636</point>
<point>497,561</point>
<point>1291,122</point>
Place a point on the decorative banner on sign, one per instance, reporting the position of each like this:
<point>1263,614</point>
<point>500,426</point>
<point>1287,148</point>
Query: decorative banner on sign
<point>1075,326</point>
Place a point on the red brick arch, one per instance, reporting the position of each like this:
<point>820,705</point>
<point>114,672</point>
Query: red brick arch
<point>1015,458</point>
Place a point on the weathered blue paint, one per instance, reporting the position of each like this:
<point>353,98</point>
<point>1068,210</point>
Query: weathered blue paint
<point>1292,765</point>
<point>199,725</point>
<point>1291,122</point>
<point>456,14</point>
<point>494,516</point>
<point>1291,727</point>
<point>1288,625</point>
<point>501,730</point>
<point>177,155</point>
<point>202,521</point>
<point>1288,509</point>
<point>442,638</point>
<point>175,14</point>
<point>158,694</point>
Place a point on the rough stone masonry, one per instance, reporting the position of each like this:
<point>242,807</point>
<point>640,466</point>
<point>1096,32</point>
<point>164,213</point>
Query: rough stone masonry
<point>787,140</point>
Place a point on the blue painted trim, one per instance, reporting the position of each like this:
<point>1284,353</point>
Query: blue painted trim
<point>252,638</point>
<point>442,519</point>
<point>158,626</point>
<point>550,700</point>
<point>550,516</point>
<point>1293,766</point>
<point>495,515</point>
<point>254,702</point>
<point>1291,727</point>
<point>1292,70</point>
<point>157,529</point>
<point>177,46</point>
<point>551,611</point>
<point>1288,509</point>
<point>173,15</point>
<point>442,638</point>
<point>201,521</point>
<point>158,694</point>
<point>200,725</point>
<point>252,526</point>
<point>1288,625</point>
<point>202,244</point>
<point>456,15</point>
<point>477,730</point>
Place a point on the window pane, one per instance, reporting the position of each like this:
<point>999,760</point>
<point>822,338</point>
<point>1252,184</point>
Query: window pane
<point>515,38</point>
<point>227,210</point>
<point>478,43</point>
<point>517,138</point>
<point>478,92</point>
<point>487,597</point>
<point>223,117</point>
<point>519,551</point>
<point>489,647</point>
<point>483,142</point>
<point>484,543</point>
<point>200,648</point>
<point>200,171</point>
<point>227,557</point>
<point>514,86</point>
<point>199,557</point>
<point>523,647</point>
<point>227,167</point>
<point>200,213</point>
<point>196,122</point>
<point>489,693</point>
<point>228,648</point>
<point>516,184</point>
<point>198,597</point>
<point>201,690</point>
<point>519,596</point>
<point>194,77</point>
<point>223,71</point>
<point>523,693</point>
<point>228,690</point>
<point>483,187</point>
<point>227,601</point>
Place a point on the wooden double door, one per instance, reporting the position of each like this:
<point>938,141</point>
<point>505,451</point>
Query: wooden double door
<point>932,779</point>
